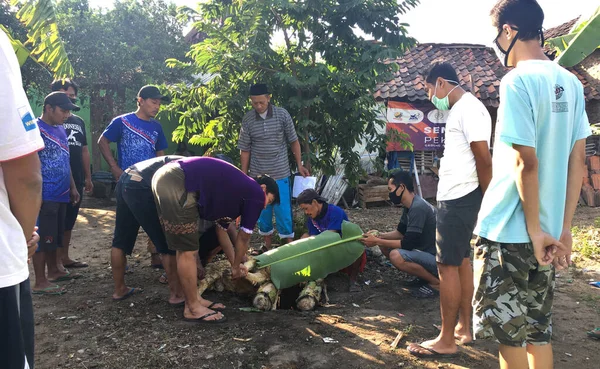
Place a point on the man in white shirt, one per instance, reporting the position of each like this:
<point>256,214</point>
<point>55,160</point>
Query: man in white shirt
<point>20,200</point>
<point>465,173</point>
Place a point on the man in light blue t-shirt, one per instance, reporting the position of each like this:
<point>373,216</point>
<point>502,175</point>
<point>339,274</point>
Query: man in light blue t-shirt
<point>525,219</point>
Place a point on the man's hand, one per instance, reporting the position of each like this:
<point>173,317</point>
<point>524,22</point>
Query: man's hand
<point>563,256</point>
<point>303,171</point>
<point>546,247</point>
<point>89,185</point>
<point>369,239</point>
<point>32,243</point>
<point>74,196</point>
<point>239,272</point>
<point>116,172</point>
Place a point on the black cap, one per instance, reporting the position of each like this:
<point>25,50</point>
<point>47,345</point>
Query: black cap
<point>259,89</point>
<point>152,92</point>
<point>308,195</point>
<point>60,99</point>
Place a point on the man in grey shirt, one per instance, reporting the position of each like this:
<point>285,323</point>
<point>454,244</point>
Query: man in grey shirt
<point>266,132</point>
<point>411,247</point>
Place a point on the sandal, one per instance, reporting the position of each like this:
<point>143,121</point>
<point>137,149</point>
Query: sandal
<point>424,292</point>
<point>595,333</point>
<point>76,264</point>
<point>202,319</point>
<point>429,353</point>
<point>52,290</point>
<point>66,277</point>
<point>163,279</point>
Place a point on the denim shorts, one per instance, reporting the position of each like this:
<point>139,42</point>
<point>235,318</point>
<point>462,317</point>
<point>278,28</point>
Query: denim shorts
<point>424,259</point>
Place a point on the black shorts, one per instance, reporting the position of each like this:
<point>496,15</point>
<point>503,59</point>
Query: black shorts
<point>208,242</point>
<point>72,211</point>
<point>135,208</point>
<point>51,223</point>
<point>16,326</point>
<point>455,223</point>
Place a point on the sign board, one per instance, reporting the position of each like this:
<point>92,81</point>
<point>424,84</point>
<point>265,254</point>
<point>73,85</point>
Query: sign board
<point>423,123</point>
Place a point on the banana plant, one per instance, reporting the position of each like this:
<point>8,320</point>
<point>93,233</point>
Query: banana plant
<point>313,258</point>
<point>43,44</point>
<point>572,48</point>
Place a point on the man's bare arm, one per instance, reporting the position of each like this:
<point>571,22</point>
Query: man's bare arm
<point>574,181</point>
<point>85,157</point>
<point>245,159</point>
<point>23,181</point>
<point>544,245</point>
<point>103,144</point>
<point>483,163</point>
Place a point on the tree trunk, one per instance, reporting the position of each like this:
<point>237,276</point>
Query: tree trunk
<point>95,127</point>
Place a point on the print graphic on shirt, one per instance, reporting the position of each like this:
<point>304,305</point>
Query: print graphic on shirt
<point>26,118</point>
<point>558,91</point>
<point>55,167</point>
<point>559,107</point>
<point>73,130</point>
<point>137,144</point>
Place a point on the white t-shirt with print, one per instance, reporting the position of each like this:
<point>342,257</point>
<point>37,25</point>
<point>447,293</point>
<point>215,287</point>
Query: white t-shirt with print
<point>19,136</point>
<point>468,121</point>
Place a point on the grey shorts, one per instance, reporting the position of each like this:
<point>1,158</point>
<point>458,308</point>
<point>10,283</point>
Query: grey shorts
<point>424,259</point>
<point>455,223</point>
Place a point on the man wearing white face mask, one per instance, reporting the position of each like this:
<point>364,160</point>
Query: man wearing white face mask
<point>465,173</point>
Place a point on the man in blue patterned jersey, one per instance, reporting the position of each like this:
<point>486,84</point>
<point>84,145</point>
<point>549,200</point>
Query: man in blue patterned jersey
<point>58,190</point>
<point>138,136</point>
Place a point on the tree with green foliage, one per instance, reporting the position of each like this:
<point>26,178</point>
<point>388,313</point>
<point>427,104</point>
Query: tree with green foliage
<point>118,50</point>
<point>32,29</point>
<point>324,73</point>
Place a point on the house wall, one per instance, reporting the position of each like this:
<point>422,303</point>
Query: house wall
<point>593,111</point>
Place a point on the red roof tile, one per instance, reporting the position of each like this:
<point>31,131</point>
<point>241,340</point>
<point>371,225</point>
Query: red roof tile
<point>476,66</point>
<point>560,30</point>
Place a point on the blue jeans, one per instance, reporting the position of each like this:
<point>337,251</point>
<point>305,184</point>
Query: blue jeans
<point>283,213</point>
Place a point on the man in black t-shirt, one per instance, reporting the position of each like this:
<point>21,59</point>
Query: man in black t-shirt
<point>80,169</point>
<point>411,247</point>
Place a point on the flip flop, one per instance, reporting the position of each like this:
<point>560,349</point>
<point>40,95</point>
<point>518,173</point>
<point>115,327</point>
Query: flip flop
<point>163,279</point>
<point>52,290</point>
<point>415,282</point>
<point>203,317</point>
<point>595,333</point>
<point>66,277</point>
<point>424,292</point>
<point>131,292</point>
<point>76,264</point>
<point>211,306</point>
<point>431,353</point>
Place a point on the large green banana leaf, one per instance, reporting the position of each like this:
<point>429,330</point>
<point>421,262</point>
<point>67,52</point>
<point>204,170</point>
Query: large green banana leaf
<point>43,44</point>
<point>314,257</point>
<point>578,44</point>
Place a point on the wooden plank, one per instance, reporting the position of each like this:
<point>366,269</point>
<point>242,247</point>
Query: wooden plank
<point>396,341</point>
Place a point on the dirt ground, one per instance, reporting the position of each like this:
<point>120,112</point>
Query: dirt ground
<point>86,329</point>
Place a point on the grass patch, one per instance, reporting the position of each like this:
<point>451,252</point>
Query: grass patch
<point>586,240</point>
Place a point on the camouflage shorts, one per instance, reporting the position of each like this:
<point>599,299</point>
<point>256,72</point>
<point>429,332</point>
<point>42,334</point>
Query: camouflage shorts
<point>513,294</point>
